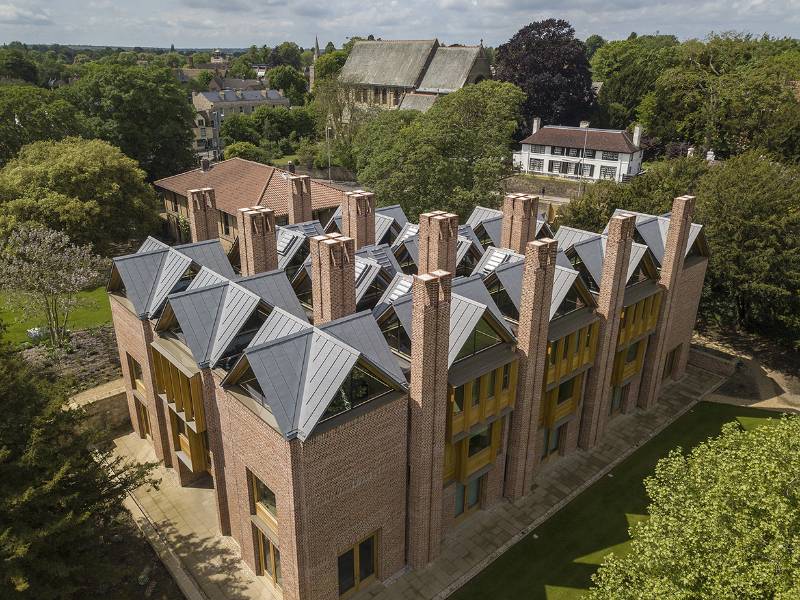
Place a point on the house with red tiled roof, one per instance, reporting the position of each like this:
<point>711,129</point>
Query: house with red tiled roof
<point>580,152</point>
<point>239,183</point>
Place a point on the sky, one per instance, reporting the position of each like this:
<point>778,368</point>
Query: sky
<point>241,23</point>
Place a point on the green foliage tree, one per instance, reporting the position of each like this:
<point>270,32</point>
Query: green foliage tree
<point>287,54</point>
<point>200,58</point>
<point>29,114</point>
<point>241,67</point>
<point>549,64</point>
<point>143,110</point>
<point>248,151</point>
<point>628,70</point>
<point>61,492</point>
<point>381,133</point>
<point>238,128</point>
<point>749,207</point>
<point>329,64</point>
<point>291,81</point>
<point>452,157</point>
<point>204,78</point>
<point>278,123</point>
<point>85,188</point>
<point>593,43</point>
<point>723,522</point>
<point>329,47</point>
<point>16,64</point>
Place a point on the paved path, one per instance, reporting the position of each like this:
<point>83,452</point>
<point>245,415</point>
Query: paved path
<point>181,522</point>
<point>105,390</point>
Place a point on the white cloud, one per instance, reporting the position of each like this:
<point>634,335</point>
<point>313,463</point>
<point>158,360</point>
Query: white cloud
<point>240,23</point>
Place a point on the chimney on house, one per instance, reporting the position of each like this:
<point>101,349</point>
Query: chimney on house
<point>438,238</point>
<point>609,309</point>
<point>299,196</point>
<point>519,221</point>
<point>203,214</point>
<point>333,277</point>
<point>537,125</point>
<point>358,217</point>
<point>205,164</point>
<point>290,167</point>
<point>534,322</point>
<point>430,318</point>
<point>637,135</point>
<point>584,125</point>
<point>258,250</point>
<point>222,94</point>
<point>680,223</point>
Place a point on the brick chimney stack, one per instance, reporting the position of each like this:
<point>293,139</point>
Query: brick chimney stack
<point>430,323</point>
<point>299,197</point>
<point>534,323</point>
<point>358,217</point>
<point>519,221</point>
<point>438,238</point>
<point>333,277</point>
<point>609,309</point>
<point>536,125</point>
<point>203,214</point>
<point>258,250</point>
<point>680,223</point>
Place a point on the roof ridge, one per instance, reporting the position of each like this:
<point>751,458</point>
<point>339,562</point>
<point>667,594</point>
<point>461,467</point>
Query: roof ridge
<point>212,339</point>
<point>125,257</point>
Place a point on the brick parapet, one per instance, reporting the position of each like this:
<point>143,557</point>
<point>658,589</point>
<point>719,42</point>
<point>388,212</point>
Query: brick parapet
<point>519,221</point>
<point>299,198</point>
<point>203,214</point>
<point>332,277</point>
<point>438,240</point>
<point>258,251</point>
<point>358,217</point>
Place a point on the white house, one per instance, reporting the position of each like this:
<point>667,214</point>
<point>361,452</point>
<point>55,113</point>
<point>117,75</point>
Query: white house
<point>575,152</point>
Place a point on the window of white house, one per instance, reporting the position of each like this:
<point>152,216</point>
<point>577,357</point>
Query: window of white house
<point>610,155</point>
<point>608,172</point>
<point>557,150</point>
<point>589,153</point>
<point>536,164</point>
<point>573,152</point>
<point>588,170</point>
<point>555,166</point>
<point>537,148</point>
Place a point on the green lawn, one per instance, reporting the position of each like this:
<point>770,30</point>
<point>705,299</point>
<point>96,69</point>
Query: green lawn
<point>284,160</point>
<point>92,310</point>
<point>558,564</point>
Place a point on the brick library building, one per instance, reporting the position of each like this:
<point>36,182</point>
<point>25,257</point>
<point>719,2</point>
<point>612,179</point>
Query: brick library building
<point>356,390</point>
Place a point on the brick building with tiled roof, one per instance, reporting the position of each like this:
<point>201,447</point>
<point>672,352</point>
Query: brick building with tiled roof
<point>240,183</point>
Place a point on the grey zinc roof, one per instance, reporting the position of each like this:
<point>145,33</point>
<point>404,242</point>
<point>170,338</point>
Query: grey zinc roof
<point>290,239</point>
<point>272,96</point>
<point>397,63</point>
<point>420,102</point>
<point>569,236</point>
<point>273,287</point>
<point>654,229</point>
<point>510,275</point>
<point>492,221</point>
<point>494,229</point>
<point>472,287</point>
<point>408,230</point>
<point>385,218</point>
<point>449,69</point>
<point>205,277</point>
<point>398,287</point>
<point>384,255</point>
<point>151,244</point>
<point>308,228</point>
<point>366,270</point>
<point>592,252</point>
<point>464,316</point>
<point>210,317</point>
<point>300,373</point>
<point>481,213</point>
<point>279,324</point>
<point>493,258</point>
<point>209,254</point>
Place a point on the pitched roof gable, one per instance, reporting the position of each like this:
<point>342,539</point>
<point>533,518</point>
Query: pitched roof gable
<point>449,69</point>
<point>610,140</point>
<point>653,230</point>
<point>396,63</point>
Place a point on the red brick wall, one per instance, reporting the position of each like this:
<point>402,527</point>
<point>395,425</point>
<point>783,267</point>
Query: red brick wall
<point>133,338</point>
<point>684,310</point>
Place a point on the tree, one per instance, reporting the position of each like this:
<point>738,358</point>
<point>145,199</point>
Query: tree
<point>329,47</point>
<point>200,58</point>
<point>288,54</point>
<point>749,208</point>
<point>238,128</point>
<point>61,492</point>
<point>452,157</point>
<point>143,110</point>
<point>329,64</point>
<point>241,67</point>
<point>248,151</point>
<point>593,43</point>
<point>43,271</point>
<point>278,122</point>
<point>380,133</point>
<point>290,80</point>
<point>204,78</point>
<point>650,193</point>
<point>15,64</point>
<point>723,522</point>
<point>550,65</point>
<point>629,69</point>
<point>29,114</point>
<point>86,188</point>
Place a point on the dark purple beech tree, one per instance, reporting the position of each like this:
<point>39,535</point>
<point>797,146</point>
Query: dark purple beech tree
<point>550,65</point>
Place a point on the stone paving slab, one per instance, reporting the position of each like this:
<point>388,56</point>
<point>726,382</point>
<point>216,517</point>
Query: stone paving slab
<point>489,533</point>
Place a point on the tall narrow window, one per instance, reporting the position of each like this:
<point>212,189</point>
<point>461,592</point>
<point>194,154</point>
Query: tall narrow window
<point>492,384</point>
<point>137,378</point>
<point>356,567</point>
<point>468,496</point>
<point>264,500</point>
<point>506,376</point>
<point>476,392</point>
<point>269,558</point>
<point>480,441</point>
<point>458,401</point>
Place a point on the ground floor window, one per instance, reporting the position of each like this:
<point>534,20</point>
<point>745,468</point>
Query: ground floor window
<point>536,164</point>
<point>144,417</point>
<point>269,559</point>
<point>553,439</point>
<point>618,395</point>
<point>357,566</point>
<point>608,172</point>
<point>468,497</point>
